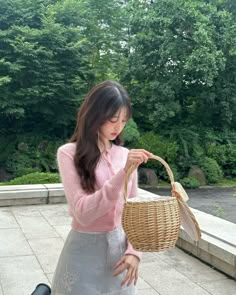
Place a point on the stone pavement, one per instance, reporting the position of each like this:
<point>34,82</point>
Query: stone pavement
<point>31,238</point>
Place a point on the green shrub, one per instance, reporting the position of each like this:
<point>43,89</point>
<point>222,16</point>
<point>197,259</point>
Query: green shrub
<point>162,173</point>
<point>161,147</point>
<point>230,167</point>
<point>222,148</point>
<point>34,178</point>
<point>32,154</point>
<point>7,148</point>
<point>131,133</point>
<point>211,169</point>
<point>158,145</point>
<point>218,153</point>
<point>20,163</point>
<point>190,182</point>
<point>175,172</point>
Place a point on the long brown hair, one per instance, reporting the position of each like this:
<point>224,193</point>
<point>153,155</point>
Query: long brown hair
<point>100,105</point>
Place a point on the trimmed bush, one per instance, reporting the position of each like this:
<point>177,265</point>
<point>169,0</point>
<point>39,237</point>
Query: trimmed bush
<point>225,155</point>
<point>211,170</point>
<point>34,178</point>
<point>190,182</point>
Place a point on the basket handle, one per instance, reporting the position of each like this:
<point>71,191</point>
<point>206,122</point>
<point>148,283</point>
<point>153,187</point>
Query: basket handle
<point>169,171</point>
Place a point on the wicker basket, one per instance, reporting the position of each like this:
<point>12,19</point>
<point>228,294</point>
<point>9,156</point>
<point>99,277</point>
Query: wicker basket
<point>152,226</point>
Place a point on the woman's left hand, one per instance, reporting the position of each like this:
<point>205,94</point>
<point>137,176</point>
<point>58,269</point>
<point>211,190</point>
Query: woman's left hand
<point>131,264</point>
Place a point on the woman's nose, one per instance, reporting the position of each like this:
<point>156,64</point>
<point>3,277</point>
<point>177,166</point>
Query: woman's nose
<point>117,126</point>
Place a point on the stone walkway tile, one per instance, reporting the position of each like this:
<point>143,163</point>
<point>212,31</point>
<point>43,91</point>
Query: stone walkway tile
<point>57,215</point>
<point>26,210</point>
<point>201,277</point>
<point>13,243</point>
<point>48,262</point>
<point>50,277</point>
<point>7,219</point>
<point>34,225</point>
<point>149,257</point>
<point>168,281</point>
<point>142,284</point>
<point>148,292</point>
<point>221,287</point>
<point>47,252</point>
<point>20,275</point>
<point>189,266</point>
<point>45,245</point>
<point>63,230</point>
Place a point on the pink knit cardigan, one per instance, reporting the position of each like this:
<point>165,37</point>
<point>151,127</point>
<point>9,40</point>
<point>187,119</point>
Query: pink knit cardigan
<point>101,210</point>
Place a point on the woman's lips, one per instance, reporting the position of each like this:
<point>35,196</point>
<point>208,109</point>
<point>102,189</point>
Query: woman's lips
<point>114,134</point>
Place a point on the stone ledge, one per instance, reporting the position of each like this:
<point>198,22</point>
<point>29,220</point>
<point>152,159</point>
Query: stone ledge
<point>23,195</point>
<point>217,246</point>
<point>56,193</point>
<point>31,194</point>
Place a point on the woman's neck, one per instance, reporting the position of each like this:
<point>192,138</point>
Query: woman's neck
<point>104,146</point>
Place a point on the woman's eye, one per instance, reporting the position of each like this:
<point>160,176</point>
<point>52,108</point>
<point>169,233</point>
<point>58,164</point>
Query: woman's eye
<point>114,119</point>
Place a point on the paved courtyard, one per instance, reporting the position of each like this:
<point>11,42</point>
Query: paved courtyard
<point>31,238</point>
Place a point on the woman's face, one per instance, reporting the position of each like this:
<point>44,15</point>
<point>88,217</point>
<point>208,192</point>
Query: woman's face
<point>113,127</point>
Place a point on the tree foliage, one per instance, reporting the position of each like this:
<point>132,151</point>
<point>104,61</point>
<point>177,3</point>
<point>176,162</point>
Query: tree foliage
<point>51,53</point>
<point>176,58</point>
<point>182,63</point>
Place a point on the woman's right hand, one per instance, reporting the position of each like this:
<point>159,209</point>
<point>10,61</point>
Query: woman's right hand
<point>135,158</point>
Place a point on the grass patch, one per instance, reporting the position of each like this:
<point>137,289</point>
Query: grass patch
<point>34,178</point>
<point>226,182</point>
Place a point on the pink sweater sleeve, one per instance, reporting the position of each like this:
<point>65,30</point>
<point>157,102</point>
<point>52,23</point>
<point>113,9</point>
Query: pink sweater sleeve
<point>133,193</point>
<point>86,208</point>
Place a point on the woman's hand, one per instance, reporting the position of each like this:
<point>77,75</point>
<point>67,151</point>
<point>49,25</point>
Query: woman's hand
<point>130,263</point>
<point>135,158</point>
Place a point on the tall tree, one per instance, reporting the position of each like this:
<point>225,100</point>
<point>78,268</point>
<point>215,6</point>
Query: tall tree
<point>51,54</point>
<point>182,63</point>
<point>42,63</point>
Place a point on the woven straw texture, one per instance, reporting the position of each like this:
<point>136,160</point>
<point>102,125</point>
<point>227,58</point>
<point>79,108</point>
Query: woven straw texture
<point>152,226</point>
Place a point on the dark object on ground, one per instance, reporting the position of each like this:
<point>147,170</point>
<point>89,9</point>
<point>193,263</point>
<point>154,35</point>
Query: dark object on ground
<point>42,289</point>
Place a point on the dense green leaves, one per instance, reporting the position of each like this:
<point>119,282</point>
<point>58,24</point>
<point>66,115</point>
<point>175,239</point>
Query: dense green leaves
<point>176,58</point>
<point>182,64</point>
<point>50,56</point>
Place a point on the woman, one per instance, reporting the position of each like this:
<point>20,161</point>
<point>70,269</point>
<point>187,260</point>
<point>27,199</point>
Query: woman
<point>96,258</point>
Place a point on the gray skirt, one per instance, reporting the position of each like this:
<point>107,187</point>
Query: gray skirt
<point>85,266</point>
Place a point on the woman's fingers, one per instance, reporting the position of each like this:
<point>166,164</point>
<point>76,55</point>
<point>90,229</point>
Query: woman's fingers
<point>137,157</point>
<point>128,277</point>
<point>122,269</point>
<point>147,153</point>
<point>136,277</point>
<point>131,278</point>
<point>121,261</point>
<point>129,264</point>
